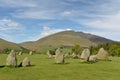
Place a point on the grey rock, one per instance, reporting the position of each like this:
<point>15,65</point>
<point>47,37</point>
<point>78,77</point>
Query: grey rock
<point>11,59</point>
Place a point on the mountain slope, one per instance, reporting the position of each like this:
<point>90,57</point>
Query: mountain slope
<point>66,38</point>
<point>8,45</point>
<point>94,38</point>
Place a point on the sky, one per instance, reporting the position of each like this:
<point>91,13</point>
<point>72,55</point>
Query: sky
<point>30,20</point>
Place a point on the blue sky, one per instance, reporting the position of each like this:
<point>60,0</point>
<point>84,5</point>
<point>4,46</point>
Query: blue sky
<point>30,20</point>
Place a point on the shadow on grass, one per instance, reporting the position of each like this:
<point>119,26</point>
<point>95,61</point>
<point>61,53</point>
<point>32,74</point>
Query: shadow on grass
<point>16,66</point>
<point>26,66</point>
<point>31,66</point>
<point>105,60</point>
<point>62,63</point>
<point>2,66</point>
<point>92,62</point>
<point>89,62</point>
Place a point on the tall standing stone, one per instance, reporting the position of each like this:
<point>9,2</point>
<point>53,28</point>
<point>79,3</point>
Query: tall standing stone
<point>20,53</point>
<point>11,59</point>
<point>49,54</point>
<point>31,53</point>
<point>102,54</point>
<point>59,57</point>
<point>58,51</point>
<point>85,55</point>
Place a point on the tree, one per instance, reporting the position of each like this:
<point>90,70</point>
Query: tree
<point>76,49</point>
<point>6,50</point>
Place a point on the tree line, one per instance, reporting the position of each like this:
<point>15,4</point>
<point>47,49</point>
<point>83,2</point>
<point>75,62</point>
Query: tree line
<point>112,48</point>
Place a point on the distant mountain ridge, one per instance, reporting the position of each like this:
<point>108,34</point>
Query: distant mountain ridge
<point>94,38</point>
<point>66,38</point>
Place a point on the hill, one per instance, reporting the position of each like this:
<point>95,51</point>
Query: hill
<point>8,45</point>
<point>66,38</point>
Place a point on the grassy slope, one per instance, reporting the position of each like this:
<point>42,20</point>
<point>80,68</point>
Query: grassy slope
<point>6,44</point>
<point>67,38</point>
<point>45,69</point>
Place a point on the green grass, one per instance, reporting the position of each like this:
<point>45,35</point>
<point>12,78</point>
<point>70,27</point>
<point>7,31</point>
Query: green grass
<point>44,68</point>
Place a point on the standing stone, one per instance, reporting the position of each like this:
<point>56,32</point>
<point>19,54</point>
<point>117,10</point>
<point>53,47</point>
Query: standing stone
<point>102,54</point>
<point>11,59</point>
<point>30,53</point>
<point>49,54</point>
<point>20,53</point>
<point>93,58</point>
<point>26,62</point>
<point>67,55</point>
<point>74,56</point>
<point>59,57</point>
<point>78,55</point>
<point>58,51</point>
<point>85,55</point>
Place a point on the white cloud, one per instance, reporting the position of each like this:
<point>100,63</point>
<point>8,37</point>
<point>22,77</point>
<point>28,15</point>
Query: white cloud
<point>10,30</point>
<point>36,14</point>
<point>109,23</point>
<point>18,3</point>
<point>68,29</point>
<point>6,36</point>
<point>107,26</point>
<point>107,34</point>
<point>42,9</point>
<point>66,13</point>
<point>7,24</point>
<point>46,32</point>
<point>50,9</point>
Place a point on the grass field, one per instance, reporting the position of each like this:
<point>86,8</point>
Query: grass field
<point>45,69</point>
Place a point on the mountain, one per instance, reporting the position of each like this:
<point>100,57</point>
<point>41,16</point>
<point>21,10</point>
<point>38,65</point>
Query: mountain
<point>66,38</point>
<point>8,45</point>
<point>94,38</point>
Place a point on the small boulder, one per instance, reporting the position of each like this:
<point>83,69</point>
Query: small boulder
<point>93,58</point>
<point>74,56</point>
<point>67,55</point>
<point>26,62</point>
